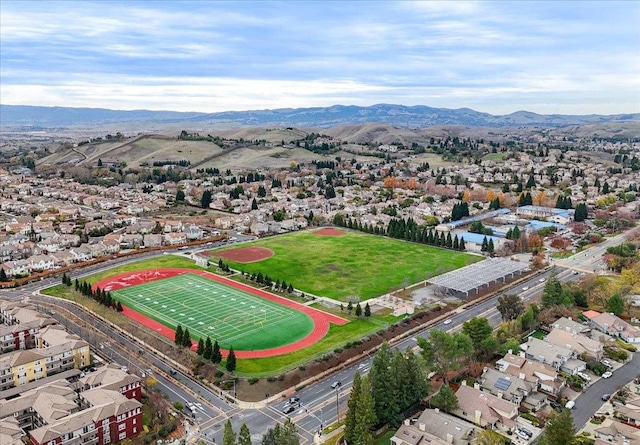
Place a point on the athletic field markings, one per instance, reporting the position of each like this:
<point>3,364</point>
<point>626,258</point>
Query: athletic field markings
<point>191,294</point>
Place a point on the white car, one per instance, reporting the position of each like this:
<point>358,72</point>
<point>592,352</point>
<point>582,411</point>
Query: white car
<point>607,374</point>
<point>447,321</point>
<point>584,376</point>
<point>522,435</point>
<point>525,288</point>
<point>542,280</point>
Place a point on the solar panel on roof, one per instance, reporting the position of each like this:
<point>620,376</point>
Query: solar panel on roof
<point>502,383</point>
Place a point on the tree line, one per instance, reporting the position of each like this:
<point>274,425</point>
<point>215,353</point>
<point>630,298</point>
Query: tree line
<point>99,295</point>
<point>285,434</point>
<point>404,229</point>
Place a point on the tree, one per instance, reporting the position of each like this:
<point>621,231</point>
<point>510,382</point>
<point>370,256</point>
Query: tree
<point>581,212</point>
<point>231,360</point>
<point>365,415</point>
<point>445,399</point>
<point>206,199</point>
<point>180,196</point>
<point>200,349</point>
<point>119,307</point>
<point>186,338</point>
<point>244,437</point>
<point>367,310</point>
<point>3,275</point>
<point>352,408</point>
<point>478,329</point>
<point>615,304</point>
<point>358,310</point>
<point>285,434</point>
<point>228,436</point>
<point>510,306</point>
<point>99,162</point>
<point>206,353</point>
<point>552,293</point>
<point>254,204</point>
<point>444,352</point>
<point>216,355</point>
<point>559,429</point>
<point>489,437</point>
<point>178,336</point>
<point>385,402</point>
<point>531,182</point>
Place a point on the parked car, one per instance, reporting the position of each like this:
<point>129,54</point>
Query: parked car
<point>555,405</point>
<point>570,404</point>
<point>526,431</point>
<point>584,376</point>
<point>607,363</point>
<point>522,435</point>
<point>607,374</point>
<point>606,397</point>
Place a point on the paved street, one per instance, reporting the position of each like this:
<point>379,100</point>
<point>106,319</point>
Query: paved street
<point>319,401</point>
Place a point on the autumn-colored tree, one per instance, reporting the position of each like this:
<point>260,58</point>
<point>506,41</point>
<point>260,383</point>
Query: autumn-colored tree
<point>535,241</point>
<point>560,243</point>
<point>491,195</point>
<point>466,195</point>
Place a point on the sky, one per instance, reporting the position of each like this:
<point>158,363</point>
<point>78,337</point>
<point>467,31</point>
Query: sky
<point>499,57</point>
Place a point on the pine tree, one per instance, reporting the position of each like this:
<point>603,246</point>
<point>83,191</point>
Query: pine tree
<point>462,246</point>
<point>456,243</point>
<point>485,244</point>
<point>216,355</point>
<point>244,437</point>
<point>186,338</point>
<point>358,310</point>
<point>365,415</point>
<point>206,354</point>
<point>200,349</point>
<point>178,336</point>
<point>559,429</point>
<point>367,310</point>
<point>490,246</point>
<point>228,436</point>
<point>231,360</point>
<point>119,307</point>
<point>352,408</point>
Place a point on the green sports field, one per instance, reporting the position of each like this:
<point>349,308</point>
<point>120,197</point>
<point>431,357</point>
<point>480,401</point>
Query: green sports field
<point>208,308</point>
<point>355,264</point>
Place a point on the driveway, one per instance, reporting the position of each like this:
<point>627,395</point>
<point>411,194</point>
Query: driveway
<point>590,401</point>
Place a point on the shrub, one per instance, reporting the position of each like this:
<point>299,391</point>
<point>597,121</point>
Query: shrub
<point>219,374</point>
<point>253,380</point>
<point>626,346</point>
<point>530,417</point>
<point>163,432</point>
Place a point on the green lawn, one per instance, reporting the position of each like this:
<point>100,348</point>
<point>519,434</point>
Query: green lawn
<point>337,336</point>
<point>211,309</point>
<point>151,263</point>
<point>354,264</point>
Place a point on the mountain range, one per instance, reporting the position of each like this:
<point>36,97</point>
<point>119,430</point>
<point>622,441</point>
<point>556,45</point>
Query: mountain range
<point>417,116</point>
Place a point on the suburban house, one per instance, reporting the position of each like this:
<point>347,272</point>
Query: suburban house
<point>630,411</point>
<point>558,357</point>
<point>613,325</point>
<point>485,409</point>
<point>543,376</point>
<point>571,326</point>
<point>505,385</point>
<point>434,427</point>
<point>613,431</point>
<point>576,342</point>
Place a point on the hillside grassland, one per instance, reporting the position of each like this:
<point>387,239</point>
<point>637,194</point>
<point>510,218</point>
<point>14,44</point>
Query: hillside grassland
<point>355,264</point>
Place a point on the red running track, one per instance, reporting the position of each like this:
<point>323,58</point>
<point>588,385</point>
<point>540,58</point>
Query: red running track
<point>320,319</point>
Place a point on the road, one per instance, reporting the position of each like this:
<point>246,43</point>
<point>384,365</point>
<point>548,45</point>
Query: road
<point>320,403</point>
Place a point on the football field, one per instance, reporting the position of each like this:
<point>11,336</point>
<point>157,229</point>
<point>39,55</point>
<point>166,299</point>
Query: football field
<point>208,308</point>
